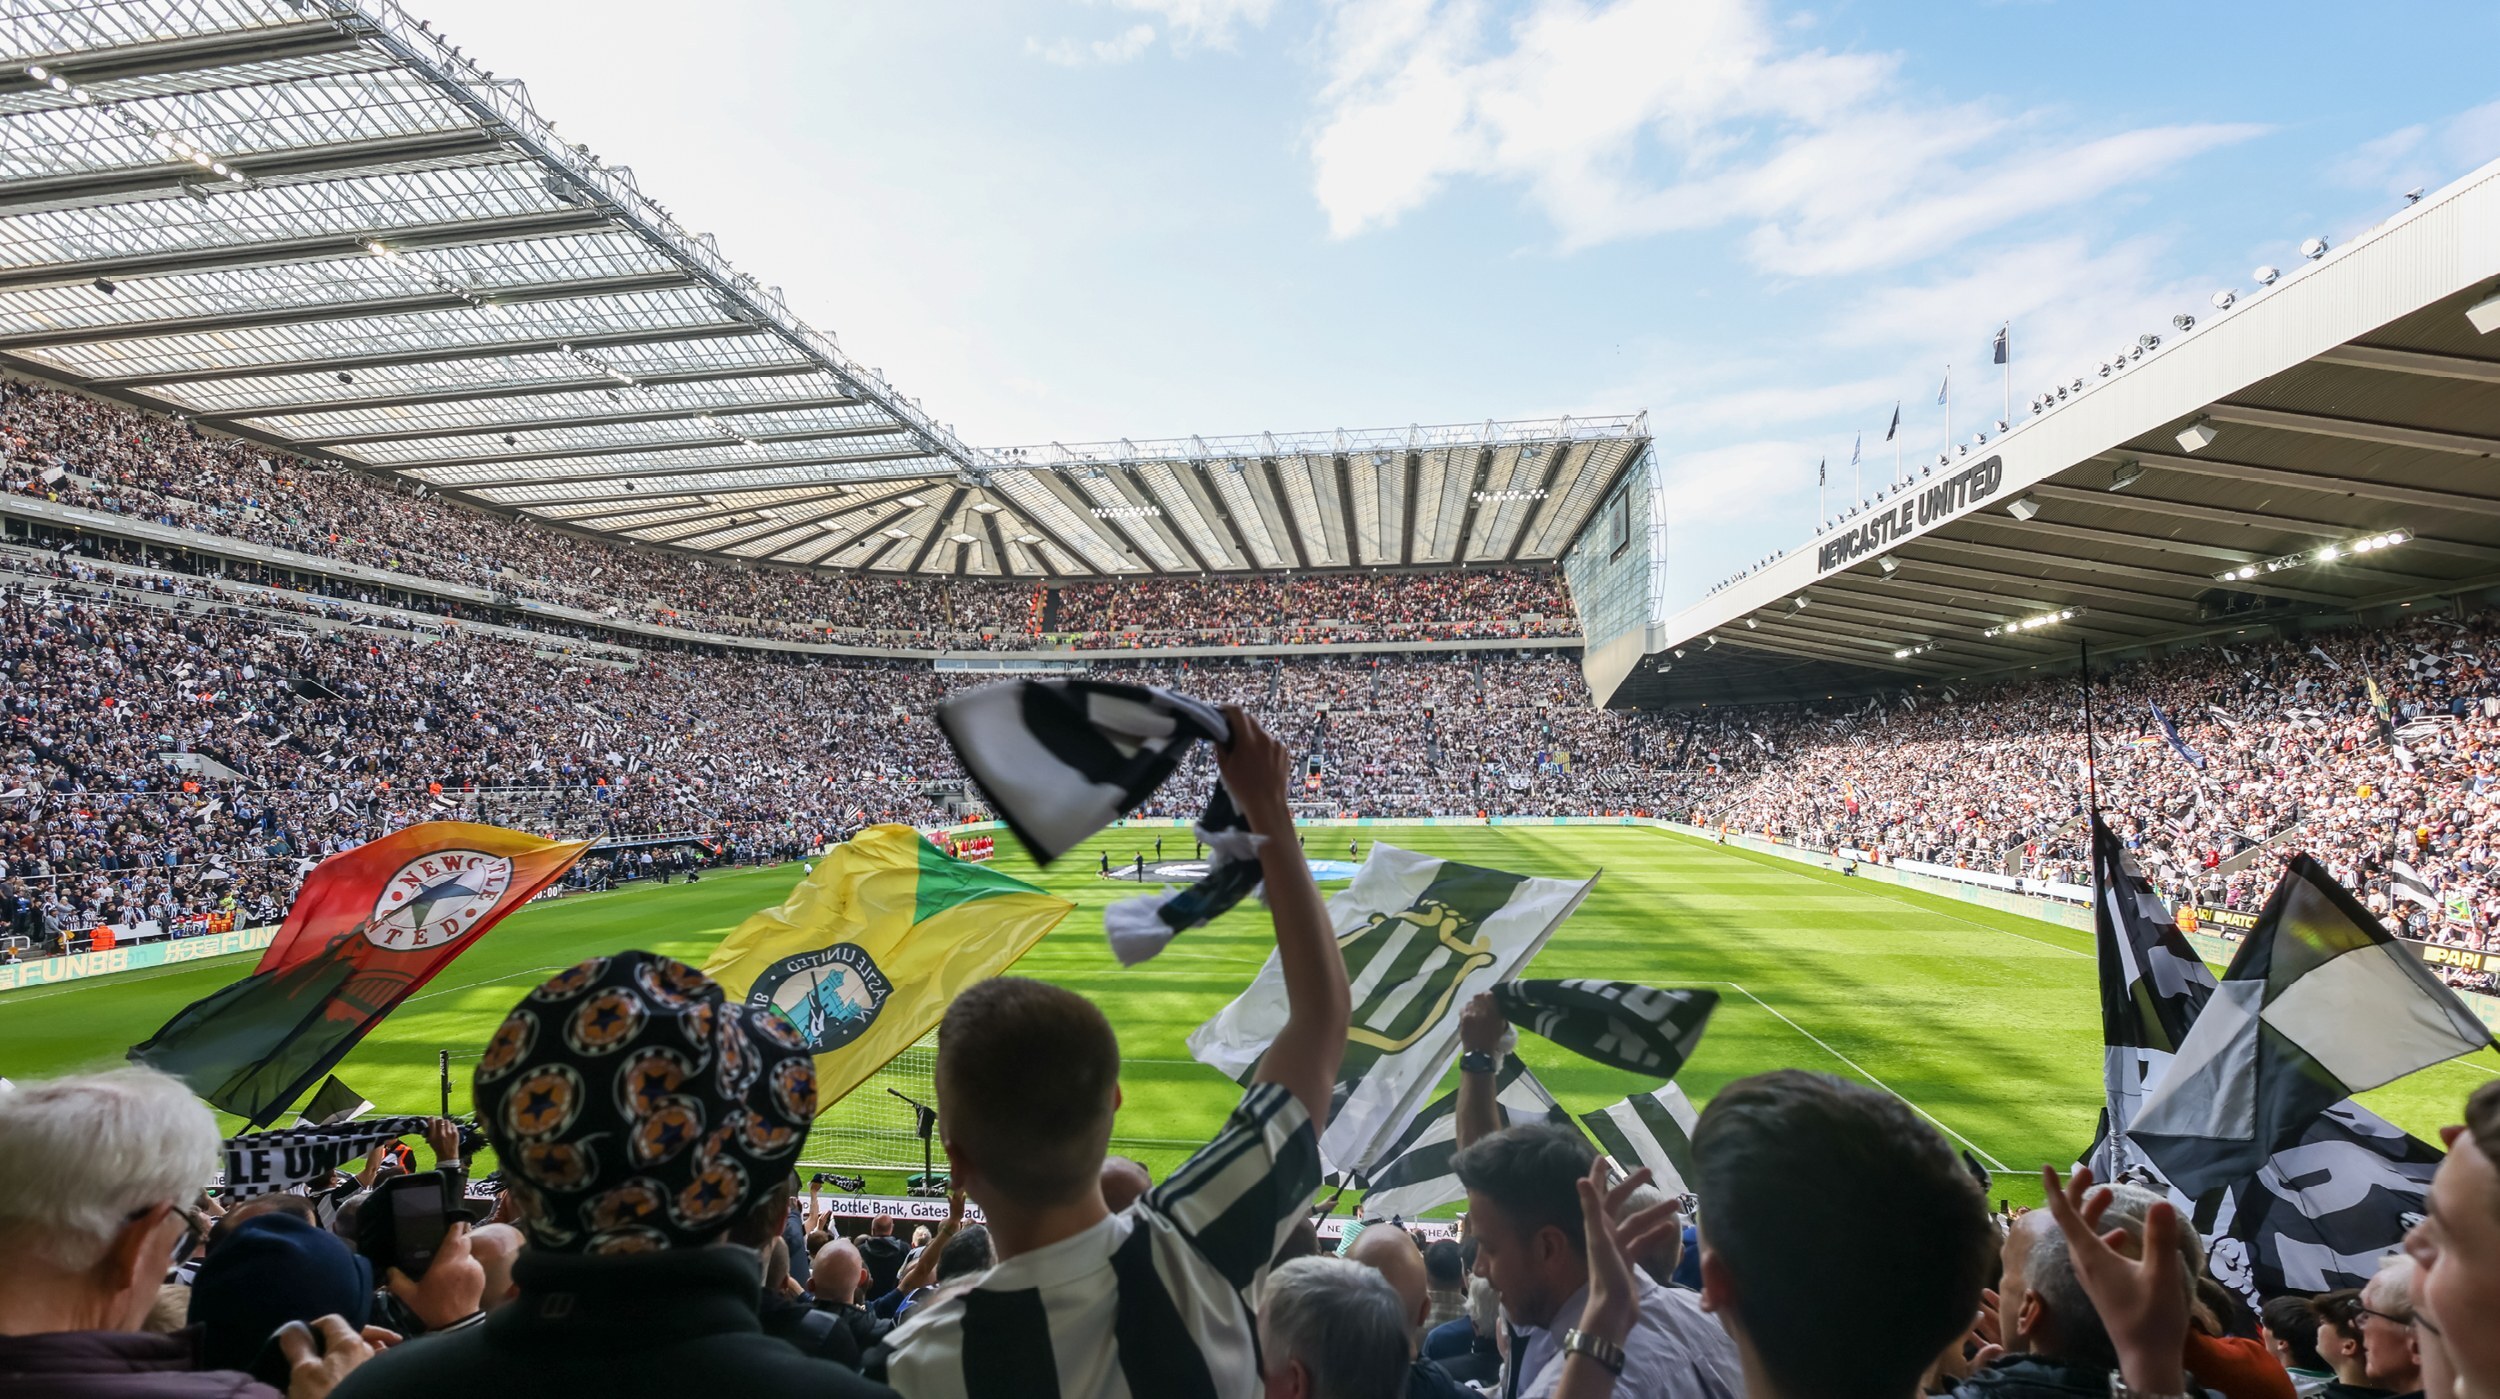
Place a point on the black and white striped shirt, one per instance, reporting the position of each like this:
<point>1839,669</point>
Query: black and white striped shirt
<point>1153,1302</point>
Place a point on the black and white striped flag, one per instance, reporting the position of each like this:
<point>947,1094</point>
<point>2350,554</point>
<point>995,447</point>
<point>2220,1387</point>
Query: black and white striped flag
<point>1415,1172</point>
<point>1061,759</point>
<point>1650,1129</point>
<point>1639,1029</point>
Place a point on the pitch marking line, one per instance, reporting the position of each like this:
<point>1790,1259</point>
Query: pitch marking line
<point>1975,1147</point>
<point>473,985</point>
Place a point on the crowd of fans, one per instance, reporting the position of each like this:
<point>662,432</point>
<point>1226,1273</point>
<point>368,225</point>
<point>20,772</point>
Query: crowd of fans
<point>83,452</point>
<point>642,1235</point>
<point>2376,752</point>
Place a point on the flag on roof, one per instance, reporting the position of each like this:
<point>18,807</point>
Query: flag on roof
<point>2319,1004</point>
<point>866,953</point>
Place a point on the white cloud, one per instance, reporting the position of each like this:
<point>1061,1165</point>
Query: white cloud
<point>1203,23</point>
<point>1079,53</point>
<point>2424,155</point>
<point>1648,116</point>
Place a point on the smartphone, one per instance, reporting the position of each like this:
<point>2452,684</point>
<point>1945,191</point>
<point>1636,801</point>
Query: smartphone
<point>418,1210</point>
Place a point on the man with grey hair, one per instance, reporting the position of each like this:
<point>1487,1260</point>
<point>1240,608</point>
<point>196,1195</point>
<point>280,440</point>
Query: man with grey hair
<point>1331,1329</point>
<point>2054,1338</point>
<point>101,1172</point>
<point>2391,1354</point>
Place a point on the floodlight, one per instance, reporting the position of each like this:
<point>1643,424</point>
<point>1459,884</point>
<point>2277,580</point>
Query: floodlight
<point>2313,248</point>
<point>1750,625</point>
<point>2414,195</point>
<point>37,72</point>
<point>2197,436</point>
<point>2127,474</point>
<point>2183,323</point>
<point>1889,565</point>
<point>2485,314</point>
<point>2145,344</point>
<point>2224,299</point>
<point>2023,508</point>
<point>2265,275</point>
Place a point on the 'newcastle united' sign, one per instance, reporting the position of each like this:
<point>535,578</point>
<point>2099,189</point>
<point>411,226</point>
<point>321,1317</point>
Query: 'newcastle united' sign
<point>1908,513</point>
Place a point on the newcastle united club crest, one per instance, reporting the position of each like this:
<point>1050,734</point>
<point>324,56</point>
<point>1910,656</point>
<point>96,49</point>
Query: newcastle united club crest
<point>830,996</point>
<point>437,898</point>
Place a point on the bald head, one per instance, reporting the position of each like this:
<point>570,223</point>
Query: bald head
<point>1391,1252</point>
<point>838,1272</point>
<point>495,1246</point>
<point>1123,1182</point>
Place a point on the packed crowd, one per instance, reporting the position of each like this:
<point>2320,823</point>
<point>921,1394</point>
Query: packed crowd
<point>643,1235</point>
<point>2377,752</point>
<point>176,755</point>
<point>83,452</point>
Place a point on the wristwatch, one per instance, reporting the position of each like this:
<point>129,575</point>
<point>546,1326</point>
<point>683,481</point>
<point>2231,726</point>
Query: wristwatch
<point>2119,1389</point>
<point>1597,1348</point>
<point>1477,1061</point>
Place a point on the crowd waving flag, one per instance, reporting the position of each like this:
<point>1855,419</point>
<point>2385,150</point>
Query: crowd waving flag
<point>2319,1004</point>
<point>2321,1210</point>
<point>1653,1129</point>
<point>370,926</point>
<point>260,1163</point>
<point>1420,937</point>
<point>1417,1170</point>
<point>1061,759</point>
<point>867,951</point>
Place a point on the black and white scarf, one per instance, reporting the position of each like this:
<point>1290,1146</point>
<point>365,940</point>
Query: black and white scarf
<point>1061,759</point>
<point>1636,1028</point>
<point>259,1163</point>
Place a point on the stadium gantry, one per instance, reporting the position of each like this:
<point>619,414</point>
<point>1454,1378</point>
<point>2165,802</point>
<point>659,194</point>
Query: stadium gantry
<point>2319,446</point>
<point>318,225</point>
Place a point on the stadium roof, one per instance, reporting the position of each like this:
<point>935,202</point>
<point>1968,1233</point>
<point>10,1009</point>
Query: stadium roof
<point>315,223</point>
<point>2247,469</point>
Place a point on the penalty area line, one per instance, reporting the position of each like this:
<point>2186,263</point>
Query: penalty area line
<point>1980,1151</point>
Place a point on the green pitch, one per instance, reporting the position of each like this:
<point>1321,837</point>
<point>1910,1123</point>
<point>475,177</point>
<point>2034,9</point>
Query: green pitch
<point>1987,1022</point>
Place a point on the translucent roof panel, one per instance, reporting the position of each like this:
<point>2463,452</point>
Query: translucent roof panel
<point>322,226</point>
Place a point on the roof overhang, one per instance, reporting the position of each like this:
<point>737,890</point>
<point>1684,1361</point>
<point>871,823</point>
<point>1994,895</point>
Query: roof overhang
<point>2236,475</point>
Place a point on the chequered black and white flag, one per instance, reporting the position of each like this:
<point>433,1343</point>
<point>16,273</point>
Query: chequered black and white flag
<point>1061,759</point>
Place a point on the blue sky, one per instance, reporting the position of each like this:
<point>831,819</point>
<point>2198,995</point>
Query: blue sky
<point>1761,222</point>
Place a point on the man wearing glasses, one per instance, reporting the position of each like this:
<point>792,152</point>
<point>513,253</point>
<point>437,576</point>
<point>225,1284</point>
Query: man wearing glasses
<point>2391,1353</point>
<point>101,1171</point>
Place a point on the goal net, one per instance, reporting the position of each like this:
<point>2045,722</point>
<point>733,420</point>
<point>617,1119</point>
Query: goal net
<point>871,1129</point>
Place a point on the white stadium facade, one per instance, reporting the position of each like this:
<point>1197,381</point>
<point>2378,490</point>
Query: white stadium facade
<point>317,225</point>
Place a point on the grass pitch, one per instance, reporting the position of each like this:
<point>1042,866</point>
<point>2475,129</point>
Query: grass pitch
<point>1986,1022</point>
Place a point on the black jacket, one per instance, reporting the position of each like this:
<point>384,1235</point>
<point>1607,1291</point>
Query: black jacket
<point>884,1255</point>
<point>668,1325</point>
<point>2031,1377</point>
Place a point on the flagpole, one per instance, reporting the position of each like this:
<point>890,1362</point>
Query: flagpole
<point>1948,409</point>
<point>2008,364</point>
<point>2091,757</point>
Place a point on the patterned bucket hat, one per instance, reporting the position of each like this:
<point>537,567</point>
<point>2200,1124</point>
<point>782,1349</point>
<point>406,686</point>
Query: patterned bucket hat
<point>635,1108</point>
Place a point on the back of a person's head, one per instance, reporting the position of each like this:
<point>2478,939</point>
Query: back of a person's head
<point>80,1156</point>
<point>1341,1322</point>
<point>274,1268</point>
<point>1854,1240</point>
<point>1531,1173</point>
<point>2289,1320</point>
<point>2482,1121</point>
<point>608,1092</point>
<point>1442,1264</point>
<point>967,1253</point>
<point>2050,1274</point>
<point>1027,1078</point>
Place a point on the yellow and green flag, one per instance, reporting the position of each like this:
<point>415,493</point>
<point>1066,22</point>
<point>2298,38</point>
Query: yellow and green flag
<point>868,950</point>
